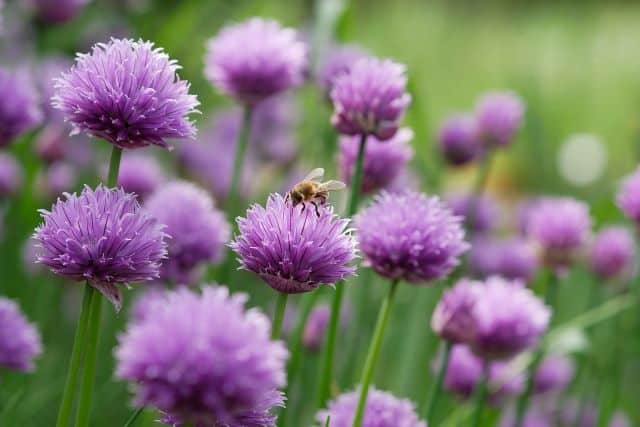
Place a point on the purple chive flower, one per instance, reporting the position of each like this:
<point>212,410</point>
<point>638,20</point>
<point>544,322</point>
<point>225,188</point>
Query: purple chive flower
<point>628,198</point>
<point>560,226</point>
<point>23,112</point>
<point>57,11</point>
<point>255,59</point>
<point>198,230</point>
<point>511,258</point>
<point>140,174</point>
<point>101,236</point>
<point>146,302</point>
<point>52,143</point>
<point>481,213</point>
<point>578,414</point>
<point>370,99</point>
<point>272,126</point>
<point>316,326</point>
<point>381,410</point>
<point>465,370</point>
<point>554,374</point>
<point>410,236</point>
<point>452,318</point>
<point>612,252</point>
<point>10,175</point>
<point>209,160</point>
<point>536,416</point>
<point>19,339</point>
<point>58,178</point>
<point>294,251</point>
<point>524,211</point>
<point>509,319</point>
<point>458,139</point>
<point>383,160</point>
<point>48,72</point>
<point>127,93</point>
<point>338,62</point>
<point>499,115</point>
<point>224,372</point>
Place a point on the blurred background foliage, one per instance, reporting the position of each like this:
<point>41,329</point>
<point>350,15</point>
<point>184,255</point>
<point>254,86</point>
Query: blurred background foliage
<point>574,63</point>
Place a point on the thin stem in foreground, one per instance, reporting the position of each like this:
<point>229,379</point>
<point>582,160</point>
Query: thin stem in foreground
<point>131,421</point>
<point>89,368</point>
<point>437,385</point>
<point>281,306</point>
<point>64,414</point>
<point>326,374</point>
<point>373,353</point>
<point>308,301</point>
<point>238,160</point>
<point>480,394</point>
<point>114,167</point>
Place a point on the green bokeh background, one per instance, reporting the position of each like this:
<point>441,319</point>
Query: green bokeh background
<point>575,64</point>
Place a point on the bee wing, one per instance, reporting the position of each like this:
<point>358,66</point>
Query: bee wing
<point>314,174</point>
<point>332,185</point>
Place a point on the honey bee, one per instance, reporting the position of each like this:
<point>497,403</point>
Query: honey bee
<point>311,190</point>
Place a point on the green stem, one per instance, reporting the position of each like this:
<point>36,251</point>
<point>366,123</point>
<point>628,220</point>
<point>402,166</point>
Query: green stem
<point>64,414</point>
<point>131,421</point>
<point>326,374</point>
<point>308,302</point>
<point>373,353</point>
<point>89,368</point>
<point>241,147</point>
<point>523,401</point>
<point>114,167</point>
<point>436,388</point>
<point>281,306</point>
<point>480,396</point>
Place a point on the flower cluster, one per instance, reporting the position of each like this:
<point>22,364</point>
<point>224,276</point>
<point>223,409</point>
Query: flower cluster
<point>499,115</point>
<point>19,340</point>
<point>612,252</point>
<point>127,92</point>
<point>410,236</point>
<point>23,112</point>
<point>292,248</point>
<point>382,410</point>
<point>255,59</point>
<point>370,99</point>
<point>101,236</point>
<point>219,368</point>
<point>198,230</point>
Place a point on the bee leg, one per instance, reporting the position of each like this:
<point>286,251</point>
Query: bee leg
<point>316,206</point>
<point>304,205</point>
<point>286,198</point>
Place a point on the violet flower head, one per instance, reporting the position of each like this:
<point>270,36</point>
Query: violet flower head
<point>19,339</point>
<point>509,319</point>
<point>458,139</point>
<point>101,236</point>
<point>628,198</point>
<point>293,250</point>
<point>10,175</point>
<point>381,410</point>
<point>612,252</point>
<point>140,174</point>
<point>410,236</point>
<point>219,368</point>
<point>58,11</point>
<point>49,70</point>
<point>481,213</point>
<point>511,258</point>
<point>255,59</point>
<point>338,62</point>
<point>465,370</point>
<point>383,160</point>
<point>128,93</point>
<point>554,374</point>
<point>23,112</point>
<point>452,318</point>
<point>371,99</point>
<point>535,416</point>
<point>499,115</point>
<point>272,125</point>
<point>198,230</point>
<point>560,226</point>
